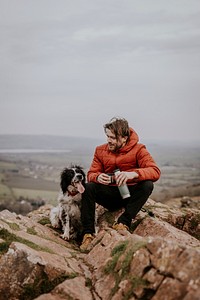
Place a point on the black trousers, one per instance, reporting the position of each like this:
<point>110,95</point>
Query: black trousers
<point>110,198</point>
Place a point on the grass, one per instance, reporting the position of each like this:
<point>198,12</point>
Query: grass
<point>44,221</point>
<point>49,196</point>
<point>31,230</point>
<point>4,165</point>
<point>10,237</point>
<point>14,226</point>
<point>116,253</point>
<point>127,250</point>
<point>120,248</point>
<point>4,191</point>
<point>126,262</point>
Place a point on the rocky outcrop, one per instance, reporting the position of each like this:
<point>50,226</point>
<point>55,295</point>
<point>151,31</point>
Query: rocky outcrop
<point>159,259</point>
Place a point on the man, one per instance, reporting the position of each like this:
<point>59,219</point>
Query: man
<point>137,169</point>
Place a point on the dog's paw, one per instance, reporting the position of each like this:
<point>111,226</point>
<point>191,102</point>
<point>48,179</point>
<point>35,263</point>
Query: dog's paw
<point>57,226</point>
<point>65,237</point>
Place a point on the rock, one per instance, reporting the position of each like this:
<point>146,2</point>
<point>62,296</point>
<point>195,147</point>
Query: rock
<point>158,228</point>
<point>159,259</point>
<point>186,219</point>
<point>69,289</point>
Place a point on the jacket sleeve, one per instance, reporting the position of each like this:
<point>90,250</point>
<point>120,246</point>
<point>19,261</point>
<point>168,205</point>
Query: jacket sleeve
<point>96,168</point>
<point>147,168</point>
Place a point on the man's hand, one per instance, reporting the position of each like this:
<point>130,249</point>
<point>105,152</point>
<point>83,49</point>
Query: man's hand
<point>104,179</point>
<point>123,177</point>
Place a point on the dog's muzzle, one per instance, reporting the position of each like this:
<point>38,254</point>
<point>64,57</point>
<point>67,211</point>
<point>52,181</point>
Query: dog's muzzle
<point>77,183</point>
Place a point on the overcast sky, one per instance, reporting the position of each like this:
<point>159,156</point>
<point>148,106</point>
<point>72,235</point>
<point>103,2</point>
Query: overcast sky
<point>68,66</point>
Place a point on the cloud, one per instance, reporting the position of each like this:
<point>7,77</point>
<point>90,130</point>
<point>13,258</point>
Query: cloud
<point>90,60</point>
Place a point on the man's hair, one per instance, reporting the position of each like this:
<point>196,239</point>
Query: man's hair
<point>118,126</point>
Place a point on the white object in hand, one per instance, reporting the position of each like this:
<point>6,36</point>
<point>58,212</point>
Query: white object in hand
<point>123,189</point>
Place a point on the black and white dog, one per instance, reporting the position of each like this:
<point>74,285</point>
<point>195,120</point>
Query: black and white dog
<point>67,215</point>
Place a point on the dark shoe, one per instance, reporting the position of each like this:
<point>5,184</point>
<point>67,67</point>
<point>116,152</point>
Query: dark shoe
<point>87,240</point>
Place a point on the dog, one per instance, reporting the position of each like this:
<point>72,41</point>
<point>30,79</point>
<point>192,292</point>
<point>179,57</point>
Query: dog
<point>67,214</point>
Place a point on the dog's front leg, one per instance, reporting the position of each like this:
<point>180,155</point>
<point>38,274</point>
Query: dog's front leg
<point>54,217</point>
<point>66,234</point>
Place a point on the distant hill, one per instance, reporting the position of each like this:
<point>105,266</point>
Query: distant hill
<point>163,152</point>
<point>20,141</point>
<point>47,142</point>
<point>179,162</point>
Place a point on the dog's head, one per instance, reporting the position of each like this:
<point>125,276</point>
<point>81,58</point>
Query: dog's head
<point>72,180</point>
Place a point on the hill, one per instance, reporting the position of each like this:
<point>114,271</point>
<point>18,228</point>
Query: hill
<point>30,167</point>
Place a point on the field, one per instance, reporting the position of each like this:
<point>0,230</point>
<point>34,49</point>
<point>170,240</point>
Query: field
<point>180,172</point>
<point>28,180</point>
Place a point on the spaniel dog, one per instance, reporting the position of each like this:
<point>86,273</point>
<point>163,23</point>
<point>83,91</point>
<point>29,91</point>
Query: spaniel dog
<point>67,215</point>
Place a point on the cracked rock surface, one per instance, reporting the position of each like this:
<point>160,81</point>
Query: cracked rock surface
<point>158,259</point>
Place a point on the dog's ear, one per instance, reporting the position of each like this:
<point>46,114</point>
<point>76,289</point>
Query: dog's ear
<point>65,179</point>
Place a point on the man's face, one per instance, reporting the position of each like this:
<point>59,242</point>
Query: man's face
<point>113,143</point>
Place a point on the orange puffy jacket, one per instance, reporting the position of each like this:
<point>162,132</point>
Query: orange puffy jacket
<point>132,157</point>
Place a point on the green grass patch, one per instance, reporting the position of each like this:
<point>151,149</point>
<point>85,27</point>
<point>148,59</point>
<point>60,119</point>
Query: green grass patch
<point>13,226</point>
<point>2,177</point>
<point>5,191</point>
<point>120,248</point>
<point>44,221</point>
<point>126,262</point>
<point>138,282</point>
<point>31,230</point>
<point>127,250</point>
<point>3,247</point>
<point>49,196</point>
<point>116,253</point>
<point>10,237</point>
<point>8,166</point>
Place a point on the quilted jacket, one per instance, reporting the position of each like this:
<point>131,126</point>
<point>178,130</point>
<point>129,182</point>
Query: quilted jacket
<point>132,157</point>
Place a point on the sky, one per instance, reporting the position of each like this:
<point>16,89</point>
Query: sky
<point>67,67</point>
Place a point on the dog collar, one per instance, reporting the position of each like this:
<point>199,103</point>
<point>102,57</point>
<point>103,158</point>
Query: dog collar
<point>72,193</point>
